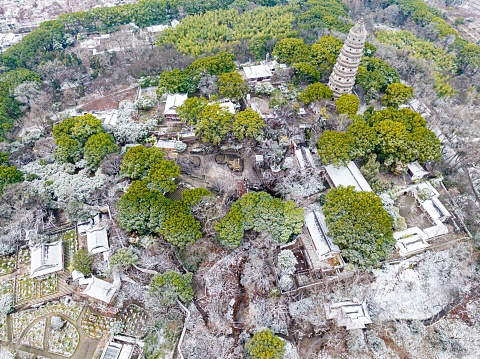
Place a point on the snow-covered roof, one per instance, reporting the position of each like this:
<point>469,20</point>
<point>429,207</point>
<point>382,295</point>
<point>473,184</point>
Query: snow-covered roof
<point>349,314</point>
<point>438,230</point>
<point>97,240</point>
<point>229,106</point>
<point>156,28</point>
<point>348,175</point>
<point>416,170</point>
<point>410,241</point>
<point>77,275</point>
<point>173,102</point>
<point>317,228</point>
<point>435,209</point>
<point>46,258</point>
<point>258,71</point>
<point>99,289</point>
<point>170,144</point>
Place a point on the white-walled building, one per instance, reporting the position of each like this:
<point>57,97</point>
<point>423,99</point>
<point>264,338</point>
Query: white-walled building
<point>46,258</point>
<point>173,102</point>
<point>351,315</point>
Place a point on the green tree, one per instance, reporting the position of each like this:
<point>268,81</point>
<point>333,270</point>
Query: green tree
<point>230,229</point>
<point>427,144</point>
<point>178,81</point>
<point>469,59</point>
<point>247,123</point>
<point>4,157</point>
<point>232,86</point>
<point>396,94</point>
<point>179,227</point>
<point>172,286</point>
<point>191,197</point>
<point>191,109</point>
<point>162,174</point>
<point>260,212</point>
<point>72,134</point>
<point>335,148</point>
<point>215,65</point>
<point>360,225</point>
<point>325,53</point>
<point>370,169</point>
<point>364,139</point>
<point>369,50</point>
<point>97,148</point>
<point>265,345</point>
<point>347,104</point>
<point>82,262</point>
<point>142,210</point>
<point>9,175</point>
<point>124,257</point>
<point>314,92</point>
<point>306,72</point>
<point>214,122</point>
<point>291,50</point>
<point>138,160</point>
<point>459,20</point>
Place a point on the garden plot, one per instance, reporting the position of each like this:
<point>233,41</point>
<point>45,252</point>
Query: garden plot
<point>135,320</point>
<point>48,285</point>
<point>7,286</point>
<point>26,289</point>
<point>24,256</point>
<point>64,341</point>
<point>7,265</point>
<point>34,337</point>
<point>95,326</point>
<point>21,320</point>
<point>3,327</point>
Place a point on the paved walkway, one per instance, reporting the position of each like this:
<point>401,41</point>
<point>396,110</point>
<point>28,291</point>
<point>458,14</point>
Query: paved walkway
<point>85,350</point>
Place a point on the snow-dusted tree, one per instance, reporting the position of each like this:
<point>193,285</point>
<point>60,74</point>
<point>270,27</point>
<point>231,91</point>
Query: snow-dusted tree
<point>117,327</point>
<point>6,353</point>
<point>264,88</point>
<point>6,303</point>
<point>287,262</point>
<point>27,92</point>
<point>145,103</point>
<point>285,282</point>
<point>124,257</point>
<point>180,146</point>
<point>57,322</point>
<point>172,286</point>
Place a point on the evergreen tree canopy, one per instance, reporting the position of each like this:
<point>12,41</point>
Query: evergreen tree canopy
<point>359,224</point>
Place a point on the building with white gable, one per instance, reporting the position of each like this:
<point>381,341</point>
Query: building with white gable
<point>173,102</point>
<point>348,175</point>
<point>258,72</point>
<point>46,258</point>
<point>98,289</point>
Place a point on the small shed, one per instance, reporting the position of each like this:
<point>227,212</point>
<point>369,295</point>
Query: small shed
<point>166,145</point>
<point>349,314</point>
<point>348,175</point>
<point>173,102</point>
<point>416,171</point>
<point>97,240</point>
<point>46,258</point>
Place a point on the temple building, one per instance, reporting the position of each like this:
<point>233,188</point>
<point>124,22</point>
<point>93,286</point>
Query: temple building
<point>345,70</point>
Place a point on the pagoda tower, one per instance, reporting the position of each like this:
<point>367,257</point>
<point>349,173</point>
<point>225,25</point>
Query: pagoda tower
<point>345,70</point>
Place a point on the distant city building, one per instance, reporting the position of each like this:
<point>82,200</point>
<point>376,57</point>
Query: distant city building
<point>345,70</point>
